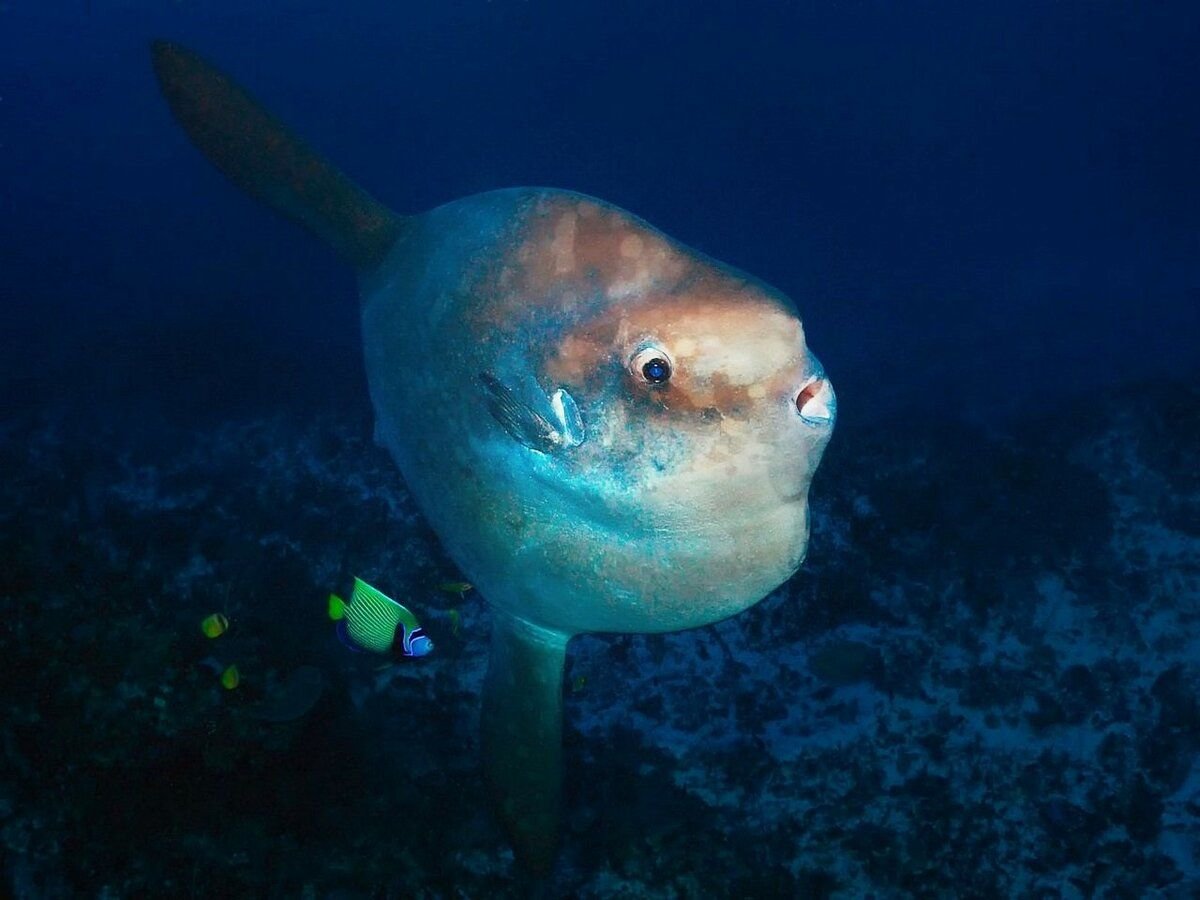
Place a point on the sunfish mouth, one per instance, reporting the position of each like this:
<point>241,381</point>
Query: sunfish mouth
<point>816,402</point>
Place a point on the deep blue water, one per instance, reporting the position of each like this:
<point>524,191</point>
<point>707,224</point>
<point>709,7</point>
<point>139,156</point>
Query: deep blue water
<point>988,215</point>
<point>972,204</point>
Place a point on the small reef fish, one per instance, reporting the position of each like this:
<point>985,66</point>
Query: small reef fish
<point>231,678</point>
<point>375,622</point>
<point>214,626</point>
<point>455,587</point>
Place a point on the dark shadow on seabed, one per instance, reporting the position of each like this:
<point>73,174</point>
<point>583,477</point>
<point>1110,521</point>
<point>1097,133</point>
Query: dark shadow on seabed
<point>983,680</point>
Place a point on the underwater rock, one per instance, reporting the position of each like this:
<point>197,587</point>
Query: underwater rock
<point>844,662</point>
<point>718,747</point>
<point>298,694</point>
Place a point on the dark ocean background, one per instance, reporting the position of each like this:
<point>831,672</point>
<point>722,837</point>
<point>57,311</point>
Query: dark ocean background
<point>983,682</point>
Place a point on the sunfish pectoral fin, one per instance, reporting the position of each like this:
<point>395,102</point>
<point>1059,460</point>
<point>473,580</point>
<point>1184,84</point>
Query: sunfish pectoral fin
<point>560,427</point>
<point>568,417</point>
<point>259,155</point>
<point>522,735</point>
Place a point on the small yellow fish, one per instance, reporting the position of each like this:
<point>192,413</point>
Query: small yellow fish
<point>577,683</point>
<point>231,678</point>
<point>214,626</point>
<point>337,608</point>
<point>455,621</point>
<point>455,587</point>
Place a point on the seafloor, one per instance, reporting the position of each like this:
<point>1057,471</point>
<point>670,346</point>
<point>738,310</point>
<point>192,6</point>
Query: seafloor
<point>983,683</point>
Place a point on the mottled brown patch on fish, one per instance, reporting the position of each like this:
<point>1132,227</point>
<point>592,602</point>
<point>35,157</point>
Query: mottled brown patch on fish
<point>692,326</point>
<point>583,350</point>
<point>574,252</point>
<point>706,399</point>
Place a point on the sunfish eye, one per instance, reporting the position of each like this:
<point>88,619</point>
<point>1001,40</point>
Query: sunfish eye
<point>657,370</point>
<point>652,364</point>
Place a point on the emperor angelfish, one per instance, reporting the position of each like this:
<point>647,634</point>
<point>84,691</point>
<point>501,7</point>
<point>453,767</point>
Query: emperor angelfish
<point>374,622</point>
<point>609,431</point>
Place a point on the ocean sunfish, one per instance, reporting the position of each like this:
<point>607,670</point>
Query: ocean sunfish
<point>609,431</point>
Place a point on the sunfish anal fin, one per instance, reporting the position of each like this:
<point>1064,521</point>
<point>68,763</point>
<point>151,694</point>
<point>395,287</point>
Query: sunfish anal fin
<point>522,735</point>
<point>263,158</point>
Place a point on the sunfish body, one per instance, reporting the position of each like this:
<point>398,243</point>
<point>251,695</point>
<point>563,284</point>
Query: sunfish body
<point>608,431</point>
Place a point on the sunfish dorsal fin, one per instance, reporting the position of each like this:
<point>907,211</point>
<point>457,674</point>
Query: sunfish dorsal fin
<point>263,158</point>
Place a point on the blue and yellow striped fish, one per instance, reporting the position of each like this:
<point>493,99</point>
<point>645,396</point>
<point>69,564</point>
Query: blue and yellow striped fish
<point>375,622</point>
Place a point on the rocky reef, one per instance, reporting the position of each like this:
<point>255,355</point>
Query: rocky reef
<point>982,684</point>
